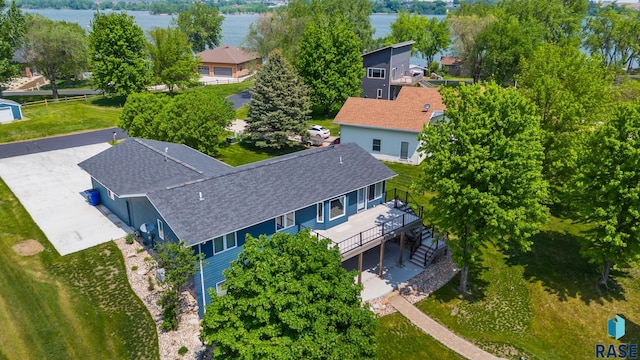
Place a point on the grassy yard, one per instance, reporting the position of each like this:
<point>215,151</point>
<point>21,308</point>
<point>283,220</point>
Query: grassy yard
<point>245,153</point>
<point>61,118</point>
<point>79,306</point>
<point>544,304</point>
<point>398,339</point>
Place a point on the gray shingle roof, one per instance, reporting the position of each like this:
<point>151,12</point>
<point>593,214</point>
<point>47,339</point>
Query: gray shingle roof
<point>260,191</point>
<point>137,166</point>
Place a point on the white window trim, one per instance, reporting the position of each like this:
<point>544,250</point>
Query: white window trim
<point>375,193</point>
<point>379,94</point>
<point>219,290</point>
<point>111,195</point>
<point>320,219</point>
<point>383,71</point>
<point>344,207</point>
<point>224,243</point>
<point>160,229</point>
<point>286,225</point>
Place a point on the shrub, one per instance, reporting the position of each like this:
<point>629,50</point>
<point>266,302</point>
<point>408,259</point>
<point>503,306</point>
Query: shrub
<point>170,302</point>
<point>151,285</point>
<point>134,267</point>
<point>183,350</point>
<point>129,239</point>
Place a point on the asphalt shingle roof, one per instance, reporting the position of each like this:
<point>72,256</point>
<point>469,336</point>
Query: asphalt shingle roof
<point>406,113</point>
<point>137,166</point>
<point>226,54</point>
<point>254,193</point>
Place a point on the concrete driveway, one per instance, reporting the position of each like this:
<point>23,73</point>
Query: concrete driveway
<point>50,185</point>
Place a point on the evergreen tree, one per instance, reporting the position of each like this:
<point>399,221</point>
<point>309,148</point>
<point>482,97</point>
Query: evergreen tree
<point>280,104</point>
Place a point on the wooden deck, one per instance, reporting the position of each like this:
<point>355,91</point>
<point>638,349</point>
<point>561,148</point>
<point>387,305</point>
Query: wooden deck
<point>370,228</point>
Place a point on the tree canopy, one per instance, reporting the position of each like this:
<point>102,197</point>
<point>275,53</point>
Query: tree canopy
<point>483,161</point>
<point>56,48</point>
<point>139,115</point>
<point>431,35</point>
<point>330,63</point>
<point>288,297</point>
<point>172,62</point>
<point>117,55</point>
<point>202,24</point>
<point>608,190</point>
<point>280,105</point>
<point>12,30</point>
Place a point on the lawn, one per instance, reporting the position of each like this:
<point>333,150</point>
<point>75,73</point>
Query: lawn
<point>244,153</point>
<point>61,118</point>
<point>543,304</point>
<point>79,306</point>
<point>398,339</point>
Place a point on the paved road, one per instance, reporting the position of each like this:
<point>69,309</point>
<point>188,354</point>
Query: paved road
<point>48,92</point>
<point>240,99</point>
<point>60,142</point>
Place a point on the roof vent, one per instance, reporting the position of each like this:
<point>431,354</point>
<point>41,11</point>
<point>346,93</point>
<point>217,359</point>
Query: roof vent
<point>341,160</point>
<point>166,150</point>
<point>426,107</point>
<point>200,196</point>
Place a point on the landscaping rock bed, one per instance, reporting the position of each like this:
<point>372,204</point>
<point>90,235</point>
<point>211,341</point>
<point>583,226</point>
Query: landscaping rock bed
<point>418,287</point>
<point>188,331</point>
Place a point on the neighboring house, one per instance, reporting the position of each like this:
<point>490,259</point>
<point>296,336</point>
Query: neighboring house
<point>228,61</point>
<point>389,129</point>
<point>172,192</point>
<point>387,70</point>
<point>10,111</point>
<point>453,65</point>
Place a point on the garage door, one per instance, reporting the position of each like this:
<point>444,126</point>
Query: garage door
<point>6,115</point>
<point>223,71</point>
<point>203,70</point>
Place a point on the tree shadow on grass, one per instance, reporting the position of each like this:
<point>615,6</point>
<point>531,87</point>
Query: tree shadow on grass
<point>632,330</point>
<point>109,101</point>
<point>555,261</point>
<point>476,287</point>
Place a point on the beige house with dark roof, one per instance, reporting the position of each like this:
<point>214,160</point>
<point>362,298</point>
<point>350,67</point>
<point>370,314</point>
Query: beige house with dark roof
<point>388,129</point>
<point>228,61</point>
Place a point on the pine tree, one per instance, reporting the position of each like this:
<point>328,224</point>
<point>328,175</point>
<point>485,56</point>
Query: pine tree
<point>280,104</point>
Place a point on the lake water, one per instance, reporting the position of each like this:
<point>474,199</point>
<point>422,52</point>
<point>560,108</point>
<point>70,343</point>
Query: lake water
<point>234,27</point>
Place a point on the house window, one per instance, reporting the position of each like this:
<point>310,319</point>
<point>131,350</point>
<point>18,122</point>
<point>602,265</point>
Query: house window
<point>375,191</point>
<point>379,93</point>
<point>219,290</point>
<point>376,144</point>
<point>160,229</point>
<point>337,207</point>
<point>285,221</point>
<point>375,73</point>
<point>111,195</point>
<point>224,243</point>
<point>320,213</point>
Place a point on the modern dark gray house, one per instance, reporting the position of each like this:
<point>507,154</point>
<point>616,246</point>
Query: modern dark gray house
<point>171,192</point>
<point>387,70</point>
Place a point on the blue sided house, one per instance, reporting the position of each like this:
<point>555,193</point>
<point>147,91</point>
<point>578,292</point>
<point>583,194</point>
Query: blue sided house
<point>170,192</point>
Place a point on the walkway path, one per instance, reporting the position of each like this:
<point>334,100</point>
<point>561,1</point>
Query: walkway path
<point>439,332</point>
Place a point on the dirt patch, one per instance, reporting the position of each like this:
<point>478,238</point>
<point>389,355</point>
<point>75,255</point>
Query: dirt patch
<point>28,247</point>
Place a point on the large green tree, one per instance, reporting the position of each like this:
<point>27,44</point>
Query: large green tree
<point>55,48</point>
<point>139,115</point>
<point>330,62</point>
<point>280,105</point>
<point>613,34</point>
<point>464,30</point>
<point>484,163</point>
<point>117,54</point>
<point>12,30</point>
<point>196,119</point>
<point>431,35</point>
<point>172,62</point>
<point>571,92</point>
<point>288,297</point>
<point>608,187</point>
<point>202,24</point>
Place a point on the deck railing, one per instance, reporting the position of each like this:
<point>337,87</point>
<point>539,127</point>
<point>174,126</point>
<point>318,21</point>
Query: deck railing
<point>371,234</point>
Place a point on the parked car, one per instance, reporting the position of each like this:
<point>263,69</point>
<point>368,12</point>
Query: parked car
<point>319,130</point>
<point>315,140</point>
<point>336,141</point>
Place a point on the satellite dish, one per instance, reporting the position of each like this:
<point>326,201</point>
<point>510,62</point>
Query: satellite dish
<point>427,106</point>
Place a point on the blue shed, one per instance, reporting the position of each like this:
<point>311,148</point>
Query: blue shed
<point>10,111</point>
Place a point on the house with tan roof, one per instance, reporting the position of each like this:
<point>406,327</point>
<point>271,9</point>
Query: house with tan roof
<point>228,61</point>
<point>388,129</point>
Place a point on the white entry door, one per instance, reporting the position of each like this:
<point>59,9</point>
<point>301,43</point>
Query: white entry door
<point>362,199</point>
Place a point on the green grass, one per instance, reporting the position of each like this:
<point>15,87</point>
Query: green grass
<point>71,84</point>
<point>543,304</point>
<point>242,112</point>
<point>244,153</point>
<point>61,118</point>
<point>398,339</point>
<point>79,306</point>
<point>225,89</point>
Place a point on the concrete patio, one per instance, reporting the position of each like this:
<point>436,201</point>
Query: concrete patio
<point>392,273</point>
